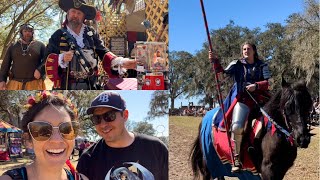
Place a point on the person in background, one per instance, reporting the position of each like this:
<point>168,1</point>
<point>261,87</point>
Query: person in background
<point>82,146</point>
<point>23,63</point>
<point>119,150</point>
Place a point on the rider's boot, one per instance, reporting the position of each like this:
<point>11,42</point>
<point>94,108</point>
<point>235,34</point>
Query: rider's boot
<point>236,166</point>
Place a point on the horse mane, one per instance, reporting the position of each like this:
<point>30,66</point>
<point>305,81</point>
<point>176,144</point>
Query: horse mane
<point>287,93</point>
<point>303,97</point>
<point>299,86</point>
<point>273,106</point>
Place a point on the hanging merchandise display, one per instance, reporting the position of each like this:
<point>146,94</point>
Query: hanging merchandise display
<point>15,144</point>
<point>10,141</point>
<point>151,65</point>
<point>4,154</point>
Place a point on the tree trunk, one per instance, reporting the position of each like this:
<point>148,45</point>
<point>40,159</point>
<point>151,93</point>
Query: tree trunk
<point>211,103</point>
<point>172,103</point>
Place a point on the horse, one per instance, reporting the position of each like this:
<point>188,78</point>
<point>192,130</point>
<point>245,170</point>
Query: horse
<point>272,154</point>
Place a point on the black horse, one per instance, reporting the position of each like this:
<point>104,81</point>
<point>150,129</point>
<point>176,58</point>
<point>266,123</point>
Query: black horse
<point>273,155</point>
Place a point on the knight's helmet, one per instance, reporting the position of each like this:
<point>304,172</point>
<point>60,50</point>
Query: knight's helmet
<point>26,26</point>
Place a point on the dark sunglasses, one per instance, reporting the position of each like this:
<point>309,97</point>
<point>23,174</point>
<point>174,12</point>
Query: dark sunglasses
<point>42,131</point>
<point>107,117</point>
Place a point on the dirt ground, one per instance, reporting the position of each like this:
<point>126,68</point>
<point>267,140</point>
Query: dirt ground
<point>183,131</point>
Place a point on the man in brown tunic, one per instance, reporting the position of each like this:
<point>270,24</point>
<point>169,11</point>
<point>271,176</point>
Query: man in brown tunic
<point>23,63</point>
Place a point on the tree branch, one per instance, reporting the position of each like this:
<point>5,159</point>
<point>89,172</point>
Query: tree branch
<point>41,12</point>
<point>9,37</point>
<point>4,9</point>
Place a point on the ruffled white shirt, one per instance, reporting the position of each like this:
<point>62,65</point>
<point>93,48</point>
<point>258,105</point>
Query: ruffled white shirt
<point>79,40</point>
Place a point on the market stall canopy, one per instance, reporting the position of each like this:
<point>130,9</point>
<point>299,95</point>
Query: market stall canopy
<point>6,127</point>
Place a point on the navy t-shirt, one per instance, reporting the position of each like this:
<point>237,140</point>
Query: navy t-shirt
<point>147,151</point>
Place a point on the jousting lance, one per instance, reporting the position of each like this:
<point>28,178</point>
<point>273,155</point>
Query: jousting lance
<point>215,65</point>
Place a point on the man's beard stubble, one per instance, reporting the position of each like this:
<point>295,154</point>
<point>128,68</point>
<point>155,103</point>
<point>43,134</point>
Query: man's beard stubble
<point>74,23</point>
<point>27,39</point>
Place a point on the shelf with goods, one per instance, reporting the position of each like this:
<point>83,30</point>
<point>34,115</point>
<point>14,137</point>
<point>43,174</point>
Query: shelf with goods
<point>15,144</point>
<point>4,154</point>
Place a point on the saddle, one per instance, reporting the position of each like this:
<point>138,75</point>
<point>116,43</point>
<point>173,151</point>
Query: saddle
<point>252,138</point>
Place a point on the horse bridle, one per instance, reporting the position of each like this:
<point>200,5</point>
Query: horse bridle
<point>289,135</point>
<point>286,121</point>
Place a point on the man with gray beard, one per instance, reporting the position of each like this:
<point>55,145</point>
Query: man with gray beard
<point>73,51</point>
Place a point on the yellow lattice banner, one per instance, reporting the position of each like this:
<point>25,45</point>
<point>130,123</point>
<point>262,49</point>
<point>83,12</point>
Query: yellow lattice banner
<point>154,13</point>
<point>113,25</point>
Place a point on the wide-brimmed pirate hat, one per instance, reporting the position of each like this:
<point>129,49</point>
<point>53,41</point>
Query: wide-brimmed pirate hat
<point>89,11</point>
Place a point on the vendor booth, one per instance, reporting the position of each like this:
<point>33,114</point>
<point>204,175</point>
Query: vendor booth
<point>137,29</point>
<point>10,141</point>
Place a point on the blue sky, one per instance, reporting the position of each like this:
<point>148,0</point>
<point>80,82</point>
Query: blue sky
<point>187,31</point>
<point>186,26</point>
<point>138,106</point>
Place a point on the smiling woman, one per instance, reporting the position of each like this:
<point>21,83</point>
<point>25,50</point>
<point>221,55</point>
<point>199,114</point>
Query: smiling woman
<point>51,123</point>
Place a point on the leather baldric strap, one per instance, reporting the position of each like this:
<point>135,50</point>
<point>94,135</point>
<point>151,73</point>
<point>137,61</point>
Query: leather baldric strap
<point>78,52</point>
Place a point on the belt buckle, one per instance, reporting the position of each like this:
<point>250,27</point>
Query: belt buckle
<point>79,75</point>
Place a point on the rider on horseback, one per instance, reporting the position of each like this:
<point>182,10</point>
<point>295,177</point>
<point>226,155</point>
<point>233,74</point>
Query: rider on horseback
<point>250,74</point>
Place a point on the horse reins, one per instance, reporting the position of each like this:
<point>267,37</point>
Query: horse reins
<point>280,128</point>
<point>285,120</point>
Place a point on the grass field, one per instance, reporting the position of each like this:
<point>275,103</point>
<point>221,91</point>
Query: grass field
<point>183,130</point>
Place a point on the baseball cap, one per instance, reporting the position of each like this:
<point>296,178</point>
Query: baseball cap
<point>108,99</point>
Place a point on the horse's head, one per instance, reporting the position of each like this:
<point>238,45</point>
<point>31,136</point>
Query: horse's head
<point>296,103</point>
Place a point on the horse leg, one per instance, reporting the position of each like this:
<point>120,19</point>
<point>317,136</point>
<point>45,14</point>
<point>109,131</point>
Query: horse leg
<point>255,150</point>
<point>272,170</point>
<point>206,175</point>
<point>278,157</point>
<point>255,156</point>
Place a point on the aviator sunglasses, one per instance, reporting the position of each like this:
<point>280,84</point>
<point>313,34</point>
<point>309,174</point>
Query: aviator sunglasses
<point>107,117</point>
<point>42,131</point>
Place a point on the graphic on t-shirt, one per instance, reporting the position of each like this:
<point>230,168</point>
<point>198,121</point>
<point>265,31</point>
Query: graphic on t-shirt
<point>127,172</point>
